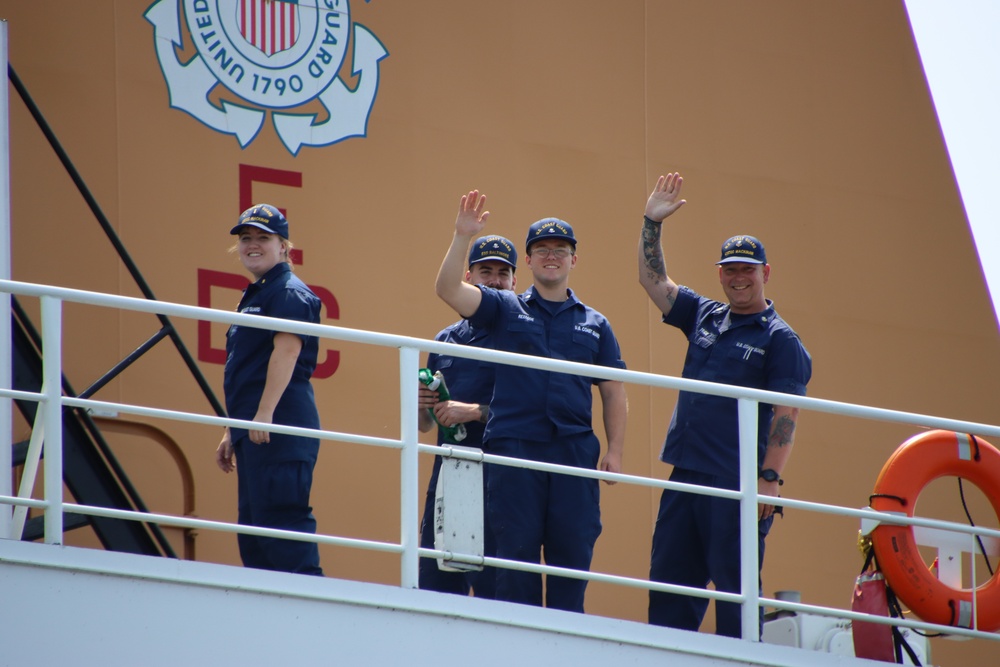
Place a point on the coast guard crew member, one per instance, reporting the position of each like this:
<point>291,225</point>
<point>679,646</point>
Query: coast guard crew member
<point>539,415</point>
<point>492,263</point>
<point>742,342</point>
<point>266,380</point>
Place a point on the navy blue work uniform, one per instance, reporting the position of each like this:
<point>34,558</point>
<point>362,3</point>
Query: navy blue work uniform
<point>274,478</point>
<point>696,539</point>
<point>469,381</point>
<point>544,416</point>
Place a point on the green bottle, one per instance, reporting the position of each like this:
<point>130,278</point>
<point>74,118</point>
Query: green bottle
<point>435,381</point>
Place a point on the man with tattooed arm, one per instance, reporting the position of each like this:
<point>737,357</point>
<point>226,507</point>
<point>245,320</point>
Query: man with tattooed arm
<point>744,342</point>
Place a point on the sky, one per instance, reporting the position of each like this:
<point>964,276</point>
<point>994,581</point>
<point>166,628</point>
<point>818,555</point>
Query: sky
<point>959,44</point>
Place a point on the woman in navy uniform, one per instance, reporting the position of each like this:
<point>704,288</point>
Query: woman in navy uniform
<point>267,380</point>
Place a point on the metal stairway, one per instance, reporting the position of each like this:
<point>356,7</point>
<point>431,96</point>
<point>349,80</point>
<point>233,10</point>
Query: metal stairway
<point>91,472</point>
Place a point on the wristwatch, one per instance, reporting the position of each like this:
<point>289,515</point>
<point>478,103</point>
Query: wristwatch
<point>770,475</point>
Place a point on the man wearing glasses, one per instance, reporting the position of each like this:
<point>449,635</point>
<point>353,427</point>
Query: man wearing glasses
<point>540,415</point>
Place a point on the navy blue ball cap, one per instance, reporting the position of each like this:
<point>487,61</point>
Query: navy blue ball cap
<point>550,228</point>
<point>263,216</point>
<point>743,249</point>
<point>498,248</point>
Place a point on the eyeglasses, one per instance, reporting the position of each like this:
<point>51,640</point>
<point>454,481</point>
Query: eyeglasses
<point>558,253</point>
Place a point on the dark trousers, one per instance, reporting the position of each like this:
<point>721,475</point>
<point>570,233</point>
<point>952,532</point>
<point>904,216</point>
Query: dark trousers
<point>538,513</point>
<point>696,540</point>
<point>432,578</point>
<point>275,495</point>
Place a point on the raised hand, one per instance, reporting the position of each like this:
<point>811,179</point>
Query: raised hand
<point>471,217</point>
<point>663,201</point>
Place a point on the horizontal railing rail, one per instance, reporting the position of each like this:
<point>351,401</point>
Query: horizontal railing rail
<point>54,506</point>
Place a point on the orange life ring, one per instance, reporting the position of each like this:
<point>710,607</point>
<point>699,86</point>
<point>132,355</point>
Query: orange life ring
<point>911,467</point>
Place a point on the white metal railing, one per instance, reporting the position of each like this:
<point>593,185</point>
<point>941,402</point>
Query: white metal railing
<point>6,411</point>
<point>49,421</point>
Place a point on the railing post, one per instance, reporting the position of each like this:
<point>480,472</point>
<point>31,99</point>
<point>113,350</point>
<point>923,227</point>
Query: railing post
<point>749,557</point>
<point>409,467</point>
<point>6,344</point>
<point>52,390</point>
<point>972,574</point>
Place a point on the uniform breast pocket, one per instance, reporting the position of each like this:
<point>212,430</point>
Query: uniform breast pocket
<point>585,347</point>
<point>461,365</point>
<point>698,352</point>
<point>525,336</point>
<point>744,364</point>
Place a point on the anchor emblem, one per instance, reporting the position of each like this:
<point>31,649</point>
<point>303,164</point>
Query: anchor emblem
<point>270,56</point>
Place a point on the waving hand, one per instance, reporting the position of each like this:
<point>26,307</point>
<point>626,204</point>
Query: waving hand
<point>664,199</point>
<point>471,217</point>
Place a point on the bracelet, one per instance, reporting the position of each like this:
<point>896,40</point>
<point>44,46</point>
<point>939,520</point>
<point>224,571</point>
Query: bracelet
<point>651,222</point>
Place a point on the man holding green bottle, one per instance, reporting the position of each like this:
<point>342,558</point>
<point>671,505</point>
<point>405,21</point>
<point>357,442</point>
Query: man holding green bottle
<point>492,262</point>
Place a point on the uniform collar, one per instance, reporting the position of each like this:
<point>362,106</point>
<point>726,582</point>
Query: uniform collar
<point>724,317</point>
<point>274,272</point>
<point>530,295</point>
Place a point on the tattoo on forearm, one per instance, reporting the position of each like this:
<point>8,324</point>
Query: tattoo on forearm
<point>652,253</point>
<point>782,431</point>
